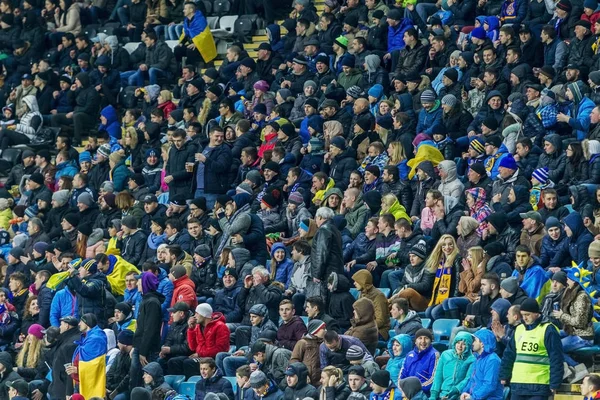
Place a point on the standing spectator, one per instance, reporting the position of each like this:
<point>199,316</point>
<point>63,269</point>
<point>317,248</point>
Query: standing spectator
<point>326,255</point>
<point>483,383</point>
<point>213,163</point>
<point>89,365</point>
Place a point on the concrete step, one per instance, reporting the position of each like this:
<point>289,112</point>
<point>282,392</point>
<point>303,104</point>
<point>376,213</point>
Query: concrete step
<point>259,38</point>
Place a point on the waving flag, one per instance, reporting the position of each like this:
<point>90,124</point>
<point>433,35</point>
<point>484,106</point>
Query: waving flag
<point>199,33</point>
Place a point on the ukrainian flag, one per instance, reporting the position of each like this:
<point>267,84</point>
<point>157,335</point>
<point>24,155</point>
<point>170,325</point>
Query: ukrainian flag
<point>535,283</point>
<point>118,268</point>
<point>91,352</point>
<point>199,33</point>
<point>425,152</point>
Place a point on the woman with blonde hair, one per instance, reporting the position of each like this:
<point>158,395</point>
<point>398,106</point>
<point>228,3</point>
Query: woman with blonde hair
<point>469,283</point>
<point>444,262</point>
<point>397,157</point>
<point>133,150</point>
<point>31,355</point>
<point>333,385</point>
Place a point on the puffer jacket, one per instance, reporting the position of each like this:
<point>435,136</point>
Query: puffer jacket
<point>31,122</point>
<point>453,370</point>
<point>379,300</point>
<point>421,364</point>
<point>395,363</point>
<point>214,384</point>
<point>553,251</point>
<point>364,326</point>
<point>483,382</point>
<point>209,340</point>
<point>593,170</point>
<point>411,60</point>
<point>225,301</point>
<point>357,217</point>
<point>266,293</point>
<point>578,243</point>
<point>450,186</point>
<point>306,351</point>
<point>428,120</point>
<point>161,56</point>
<point>555,162</point>
<point>302,389</point>
<point>91,295</point>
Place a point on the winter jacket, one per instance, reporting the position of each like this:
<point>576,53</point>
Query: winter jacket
<point>409,325</point>
<point>91,295</point>
<point>276,362</point>
<point>182,180</point>
<point>450,186</point>
<point>214,384</point>
<point>184,290</point>
<point>411,60</point>
<point>341,167</point>
<point>64,346</point>
<point>177,339</point>
<point>337,357</point>
<point>555,162</point>
<point>578,243</point>
<point>302,389</point>
<point>307,351</point>
<point>64,303</point>
<point>146,338</point>
<point>580,114</point>
<point>290,332</point>
<point>364,326</point>
<point>357,217</point>
<point>266,293</point>
<point>216,169</point>
<point>395,363</point>
<point>554,251</point>
<point>453,370</point>
<point>483,382</point>
<point>340,301</point>
<point>421,364</point>
<point>379,300</point>
<point>428,120</point>
<point>209,340</point>
<point>326,253</point>
<point>225,302</point>
<point>448,225</point>
<point>133,247</point>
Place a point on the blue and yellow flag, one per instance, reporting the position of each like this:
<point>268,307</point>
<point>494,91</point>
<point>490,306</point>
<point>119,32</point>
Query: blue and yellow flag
<point>92,363</point>
<point>535,283</point>
<point>199,33</point>
<point>117,270</point>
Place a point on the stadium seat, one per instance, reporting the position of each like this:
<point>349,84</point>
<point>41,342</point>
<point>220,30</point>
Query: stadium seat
<point>174,381</point>
<point>187,389</point>
<point>442,330</point>
<point>591,350</point>
<point>426,322</point>
<point>243,29</point>
<point>212,22</point>
<point>195,378</point>
<point>386,292</point>
<point>12,155</point>
<point>221,7</point>
<point>354,293</point>
<point>208,6</point>
<point>233,383</point>
<point>131,46</point>
<point>506,393</point>
<point>305,320</point>
<point>172,43</point>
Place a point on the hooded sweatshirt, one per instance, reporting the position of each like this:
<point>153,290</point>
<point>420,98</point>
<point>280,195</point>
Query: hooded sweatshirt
<point>112,123</point>
<point>396,362</point>
<point>31,121</point>
<point>364,327</point>
<point>379,300</point>
<point>450,186</point>
<point>483,382</point>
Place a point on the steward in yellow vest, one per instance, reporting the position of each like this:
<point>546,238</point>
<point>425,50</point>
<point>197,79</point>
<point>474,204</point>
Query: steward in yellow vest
<point>533,360</point>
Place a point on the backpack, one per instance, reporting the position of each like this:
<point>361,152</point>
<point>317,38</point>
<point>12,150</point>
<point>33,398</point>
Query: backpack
<point>43,136</point>
<point>127,97</point>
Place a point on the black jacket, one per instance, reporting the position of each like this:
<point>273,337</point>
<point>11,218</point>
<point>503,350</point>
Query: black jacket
<point>146,338</point>
<point>53,219</point>
<point>216,169</point>
<point>133,247</point>
<point>98,175</point>
<point>341,167</point>
<point>92,295</point>
<point>177,339</point>
<point>411,61</point>
<point>89,216</point>
<point>267,294</point>
<point>161,56</point>
<point>182,180</point>
<point>105,217</point>
<point>302,389</point>
<point>117,378</point>
<point>61,383</point>
<point>87,99</point>
<point>326,255</point>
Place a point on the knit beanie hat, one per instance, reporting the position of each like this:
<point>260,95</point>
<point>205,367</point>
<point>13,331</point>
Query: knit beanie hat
<point>594,249</point>
<point>451,74</point>
<point>530,305</point>
<point>478,33</point>
<point>72,218</point>
<point>561,277</point>
<point>355,353</point>
<point>450,100</point>
<point>296,198</point>
<point>258,379</point>
<point>541,174</point>
<point>428,96</point>
<point>595,76</point>
<point>341,41</point>
<point>592,4</point>
<point>316,144</point>
<point>419,250</point>
<point>564,5</point>
<point>594,147</point>
<point>104,150</point>
<point>314,326</point>
<point>354,91</point>
<point>381,378</point>
<point>478,145</point>
<point>509,162</point>
<point>85,156</point>
<point>373,170</point>
<point>491,123</point>
<point>424,332</point>
<point>511,285</point>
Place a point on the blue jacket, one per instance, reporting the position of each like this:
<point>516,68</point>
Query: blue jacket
<point>421,364</point>
<point>284,269</point>
<point>214,384</point>
<point>453,370</point>
<point>581,121</point>
<point>67,168</point>
<point>134,298</point>
<point>395,363</point>
<point>495,163</point>
<point>225,302</point>
<point>361,249</point>
<point>396,35</point>
<point>64,303</point>
<point>580,240</point>
<point>484,383</point>
<point>386,395</point>
<point>555,353</point>
<point>119,176</point>
<point>429,119</point>
<point>553,251</point>
<point>112,123</point>
<point>62,104</point>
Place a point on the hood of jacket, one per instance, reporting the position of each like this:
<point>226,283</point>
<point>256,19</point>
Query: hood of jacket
<point>84,78</point>
<point>241,256</point>
<point>275,33</point>
<point>365,310</point>
<point>521,194</point>
<point>155,371</point>
<point>372,61</point>
<point>580,195</point>
<point>494,93</point>
<point>410,387</point>
<point>278,246</point>
<point>339,283</point>
<point>330,192</point>
<point>406,102</point>
<point>449,203</point>
<point>405,341</point>
<point>302,374</point>
<point>6,360</point>
<point>110,114</point>
<point>493,22</point>
<point>556,141</point>
<point>373,200</point>
<point>32,103</point>
<point>575,224</point>
<point>450,168</point>
<point>464,337</point>
<point>501,307</point>
<point>364,279</point>
<point>488,339</point>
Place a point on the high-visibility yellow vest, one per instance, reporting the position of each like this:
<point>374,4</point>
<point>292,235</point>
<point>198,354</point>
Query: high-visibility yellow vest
<point>532,364</point>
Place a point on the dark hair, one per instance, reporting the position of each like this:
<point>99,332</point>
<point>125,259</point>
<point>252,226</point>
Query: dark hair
<point>401,303</point>
<point>526,142</point>
<point>101,258</point>
<point>158,112</point>
<point>322,176</point>
<point>174,223</point>
<point>361,40</point>
<point>412,32</point>
<point>226,102</point>
<point>280,151</point>
<point>209,361</point>
<point>251,152</point>
<point>194,221</point>
<point>593,380</point>
<point>331,336</point>
<point>150,266</point>
<point>152,36</point>
<point>523,249</point>
<point>515,49</point>
<point>316,301</point>
<point>389,219</point>
<point>302,247</point>
<point>492,71</point>
<point>179,133</point>
<point>577,156</point>
<point>45,274</point>
<point>69,36</point>
<point>393,171</point>
<point>243,371</point>
<point>18,276</point>
<point>403,223</point>
<point>550,31</point>
<point>190,110</point>
<point>175,250</point>
<point>493,277</point>
<point>328,16</point>
<point>244,125</point>
<point>508,30</point>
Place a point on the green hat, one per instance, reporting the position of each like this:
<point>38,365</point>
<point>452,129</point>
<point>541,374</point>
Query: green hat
<point>342,41</point>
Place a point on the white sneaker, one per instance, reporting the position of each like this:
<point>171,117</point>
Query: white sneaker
<point>580,371</point>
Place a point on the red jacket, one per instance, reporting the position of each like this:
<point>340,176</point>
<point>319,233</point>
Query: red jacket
<point>211,340</point>
<point>184,290</point>
<point>167,107</point>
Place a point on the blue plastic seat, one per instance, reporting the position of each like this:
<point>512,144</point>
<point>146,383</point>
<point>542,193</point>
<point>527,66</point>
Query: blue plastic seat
<point>233,382</point>
<point>591,350</point>
<point>187,389</point>
<point>354,292</point>
<point>442,329</point>
<point>385,291</point>
<point>194,379</point>
<point>426,322</point>
<point>305,320</point>
<point>174,381</point>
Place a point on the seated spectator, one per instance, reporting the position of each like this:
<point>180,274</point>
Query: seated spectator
<point>292,327</point>
<point>483,384</point>
<point>422,361</point>
<point>364,325</point>
<point>212,381</point>
<point>417,283</point>
<point>296,377</point>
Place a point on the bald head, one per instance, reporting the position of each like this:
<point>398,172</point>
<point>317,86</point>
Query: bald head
<point>350,197</point>
<point>360,105</point>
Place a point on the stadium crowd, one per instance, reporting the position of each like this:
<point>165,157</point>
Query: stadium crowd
<point>393,200</point>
